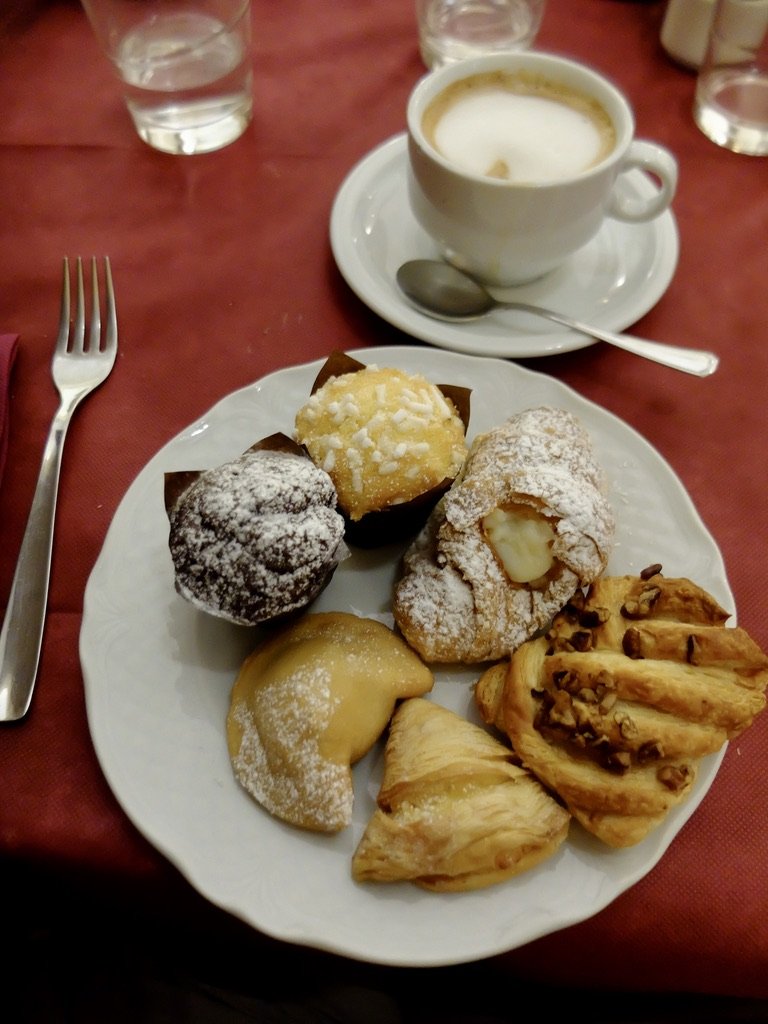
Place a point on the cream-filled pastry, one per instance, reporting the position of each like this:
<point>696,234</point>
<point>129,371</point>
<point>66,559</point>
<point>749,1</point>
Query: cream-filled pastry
<point>524,525</point>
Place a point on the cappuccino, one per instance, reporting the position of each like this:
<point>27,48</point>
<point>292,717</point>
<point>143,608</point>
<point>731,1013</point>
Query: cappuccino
<point>519,127</point>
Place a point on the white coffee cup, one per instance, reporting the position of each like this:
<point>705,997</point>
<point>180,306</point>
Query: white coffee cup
<point>507,232</point>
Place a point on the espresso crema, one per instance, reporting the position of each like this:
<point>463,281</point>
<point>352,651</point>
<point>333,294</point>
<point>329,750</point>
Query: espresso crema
<point>518,127</point>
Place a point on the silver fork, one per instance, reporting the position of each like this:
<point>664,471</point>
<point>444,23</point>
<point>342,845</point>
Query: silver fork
<point>78,366</point>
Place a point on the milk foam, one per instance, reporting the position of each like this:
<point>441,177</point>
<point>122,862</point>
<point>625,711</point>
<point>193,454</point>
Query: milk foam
<point>499,133</point>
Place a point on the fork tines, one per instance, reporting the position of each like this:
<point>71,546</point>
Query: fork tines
<point>74,340</point>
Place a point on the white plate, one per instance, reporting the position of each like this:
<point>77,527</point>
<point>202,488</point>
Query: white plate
<point>158,675</point>
<point>611,282</point>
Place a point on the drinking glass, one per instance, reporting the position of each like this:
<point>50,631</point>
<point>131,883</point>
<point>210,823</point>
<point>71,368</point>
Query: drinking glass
<point>185,68</point>
<point>450,30</point>
<point>731,102</point>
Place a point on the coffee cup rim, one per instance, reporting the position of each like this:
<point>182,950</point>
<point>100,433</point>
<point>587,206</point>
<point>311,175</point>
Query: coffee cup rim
<point>430,84</point>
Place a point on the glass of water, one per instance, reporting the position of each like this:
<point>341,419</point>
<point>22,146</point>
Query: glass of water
<point>731,102</point>
<point>185,68</point>
<point>450,30</point>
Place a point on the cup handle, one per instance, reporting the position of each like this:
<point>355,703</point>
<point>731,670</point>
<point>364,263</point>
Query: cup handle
<point>650,157</point>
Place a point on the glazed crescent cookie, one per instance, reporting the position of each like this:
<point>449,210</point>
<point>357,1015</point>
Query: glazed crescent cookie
<point>525,524</point>
<point>614,709</point>
<point>307,704</point>
<point>455,812</point>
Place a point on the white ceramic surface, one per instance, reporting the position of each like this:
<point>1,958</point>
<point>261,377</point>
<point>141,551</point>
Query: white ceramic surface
<point>611,282</point>
<point>158,675</point>
<point>508,231</point>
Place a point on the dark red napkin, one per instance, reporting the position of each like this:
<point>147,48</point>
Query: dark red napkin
<point>8,343</point>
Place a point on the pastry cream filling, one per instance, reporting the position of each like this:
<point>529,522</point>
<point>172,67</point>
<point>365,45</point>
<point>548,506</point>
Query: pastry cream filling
<point>522,541</point>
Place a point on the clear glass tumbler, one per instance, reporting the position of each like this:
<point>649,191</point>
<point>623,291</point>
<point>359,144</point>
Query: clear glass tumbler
<point>731,102</point>
<point>185,68</point>
<point>450,30</point>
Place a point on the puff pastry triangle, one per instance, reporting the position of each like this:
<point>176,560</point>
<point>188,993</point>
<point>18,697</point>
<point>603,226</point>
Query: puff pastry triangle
<point>454,811</point>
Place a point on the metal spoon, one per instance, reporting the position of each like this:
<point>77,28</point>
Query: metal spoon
<point>446,293</point>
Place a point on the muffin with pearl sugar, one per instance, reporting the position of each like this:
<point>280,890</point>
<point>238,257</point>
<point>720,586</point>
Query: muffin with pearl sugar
<point>391,441</point>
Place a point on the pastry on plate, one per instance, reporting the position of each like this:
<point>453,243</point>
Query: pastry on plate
<point>307,704</point>
<point>614,708</point>
<point>455,812</point>
<point>256,538</point>
<point>525,524</point>
<point>391,441</point>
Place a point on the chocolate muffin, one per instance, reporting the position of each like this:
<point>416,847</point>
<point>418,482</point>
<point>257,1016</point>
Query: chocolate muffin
<point>257,538</point>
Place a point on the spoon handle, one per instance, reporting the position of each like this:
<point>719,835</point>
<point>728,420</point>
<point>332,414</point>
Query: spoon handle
<point>689,360</point>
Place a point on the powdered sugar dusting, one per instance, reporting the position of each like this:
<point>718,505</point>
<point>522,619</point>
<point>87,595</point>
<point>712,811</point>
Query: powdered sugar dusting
<point>279,761</point>
<point>454,601</point>
<point>256,537</point>
<point>309,703</point>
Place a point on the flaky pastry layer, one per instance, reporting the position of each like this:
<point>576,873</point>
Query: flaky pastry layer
<point>460,598</point>
<point>615,707</point>
<point>454,812</point>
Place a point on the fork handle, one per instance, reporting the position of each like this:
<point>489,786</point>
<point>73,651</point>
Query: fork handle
<point>22,633</point>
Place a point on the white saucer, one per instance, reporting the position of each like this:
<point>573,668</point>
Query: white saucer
<point>611,282</point>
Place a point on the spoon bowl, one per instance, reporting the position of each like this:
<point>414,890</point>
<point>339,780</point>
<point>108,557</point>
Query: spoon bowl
<point>444,292</point>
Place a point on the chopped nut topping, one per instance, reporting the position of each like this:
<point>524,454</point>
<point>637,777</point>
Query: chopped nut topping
<point>674,777</point>
<point>631,643</point>
<point>618,760</point>
<point>561,712</point>
<point>607,701</point>
<point>573,709</point>
<point>564,679</point>
<point>639,607</point>
<point>652,750</point>
<point>651,570</point>
<point>592,617</point>
<point>581,640</point>
<point>693,652</point>
<point>605,679</point>
<point>627,726</point>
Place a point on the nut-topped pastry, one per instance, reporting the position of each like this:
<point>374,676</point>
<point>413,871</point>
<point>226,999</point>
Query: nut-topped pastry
<point>524,525</point>
<point>391,441</point>
<point>614,708</point>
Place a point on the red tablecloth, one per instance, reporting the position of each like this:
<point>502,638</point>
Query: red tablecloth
<point>225,273</point>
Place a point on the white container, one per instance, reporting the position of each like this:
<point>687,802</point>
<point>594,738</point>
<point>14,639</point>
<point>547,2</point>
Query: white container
<point>504,231</point>
<point>185,68</point>
<point>451,30</point>
<point>731,101</point>
<point>685,30</point>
